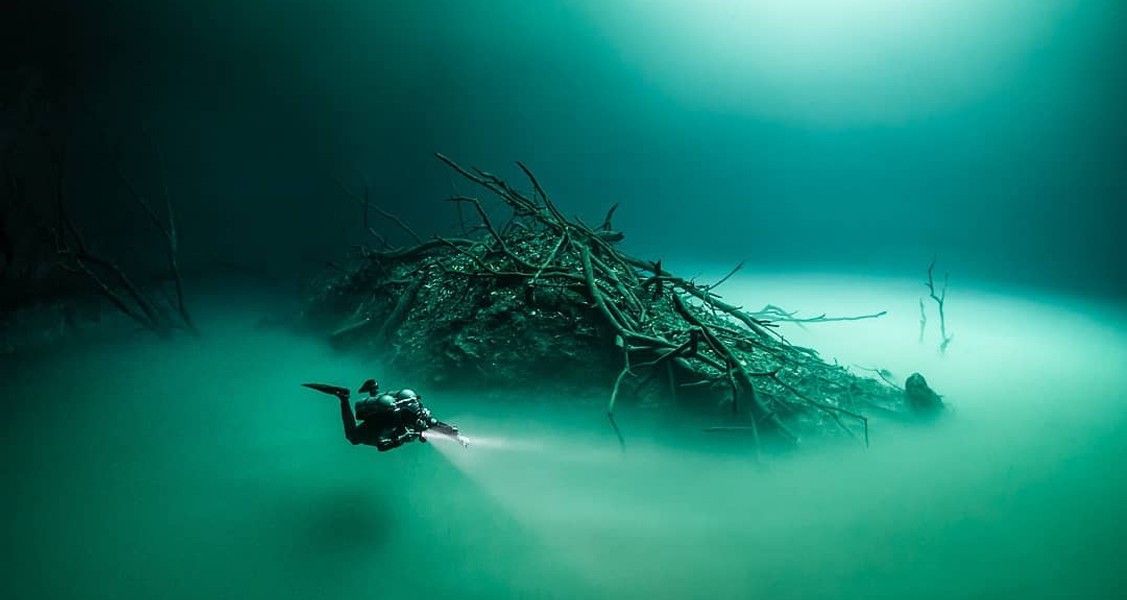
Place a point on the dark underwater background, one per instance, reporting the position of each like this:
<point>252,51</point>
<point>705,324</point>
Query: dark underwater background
<point>837,147</point>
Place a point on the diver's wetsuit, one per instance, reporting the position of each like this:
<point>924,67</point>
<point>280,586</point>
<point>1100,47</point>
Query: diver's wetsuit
<point>388,422</point>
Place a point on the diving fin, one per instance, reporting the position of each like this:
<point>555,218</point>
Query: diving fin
<point>339,392</point>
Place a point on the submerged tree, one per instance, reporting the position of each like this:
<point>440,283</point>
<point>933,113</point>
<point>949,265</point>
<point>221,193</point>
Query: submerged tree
<point>53,258</point>
<point>538,298</point>
<point>160,314</point>
<point>940,301</point>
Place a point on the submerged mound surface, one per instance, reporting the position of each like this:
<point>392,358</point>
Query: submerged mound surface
<point>544,300</point>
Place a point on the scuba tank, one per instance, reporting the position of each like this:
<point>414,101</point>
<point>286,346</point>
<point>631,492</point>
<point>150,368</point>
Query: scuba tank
<point>375,403</point>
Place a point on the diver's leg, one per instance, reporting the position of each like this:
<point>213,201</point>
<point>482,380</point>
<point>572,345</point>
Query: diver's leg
<point>349,420</point>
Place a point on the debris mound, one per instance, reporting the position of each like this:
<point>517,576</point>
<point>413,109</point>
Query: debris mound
<point>543,300</point>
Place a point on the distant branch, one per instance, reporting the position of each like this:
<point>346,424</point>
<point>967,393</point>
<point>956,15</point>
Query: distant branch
<point>775,314</point>
<point>940,299</point>
<point>923,320</point>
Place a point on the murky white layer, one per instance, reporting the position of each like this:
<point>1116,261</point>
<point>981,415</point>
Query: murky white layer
<point>200,469</point>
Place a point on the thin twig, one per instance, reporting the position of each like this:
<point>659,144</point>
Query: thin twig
<point>606,226</point>
<point>173,239</point>
<point>940,300</point>
<point>725,278</point>
<point>492,230</point>
<point>884,374</point>
<point>923,320</point>
<point>778,315</point>
<point>614,398</point>
<point>364,200</point>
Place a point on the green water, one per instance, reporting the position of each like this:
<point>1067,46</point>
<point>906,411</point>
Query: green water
<point>824,141</point>
<point>199,469</point>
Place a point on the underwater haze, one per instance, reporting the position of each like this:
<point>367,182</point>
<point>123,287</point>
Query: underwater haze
<point>837,147</point>
<point>199,469</point>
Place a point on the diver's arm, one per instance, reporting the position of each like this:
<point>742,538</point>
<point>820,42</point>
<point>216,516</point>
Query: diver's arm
<point>412,415</point>
<point>450,430</point>
<point>445,428</point>
<point>396,440</point>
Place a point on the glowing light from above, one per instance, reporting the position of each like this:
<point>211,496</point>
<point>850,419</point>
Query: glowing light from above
<point>829,60</point>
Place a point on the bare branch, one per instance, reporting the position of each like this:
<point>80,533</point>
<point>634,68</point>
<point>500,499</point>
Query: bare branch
<point>735,270</point>
<point>923,320</point>
<point>939,300</point>
<point>365,201</point>
<point>606,226</point>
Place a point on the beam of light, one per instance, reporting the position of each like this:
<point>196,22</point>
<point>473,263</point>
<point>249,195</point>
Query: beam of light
<point>500,451</point>
<point>830,61</point>
<point>556,448</point>
<point>496,442</point>
<point>485,452</point>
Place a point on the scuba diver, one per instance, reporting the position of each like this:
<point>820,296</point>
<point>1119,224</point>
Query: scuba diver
<point>389,419</point>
